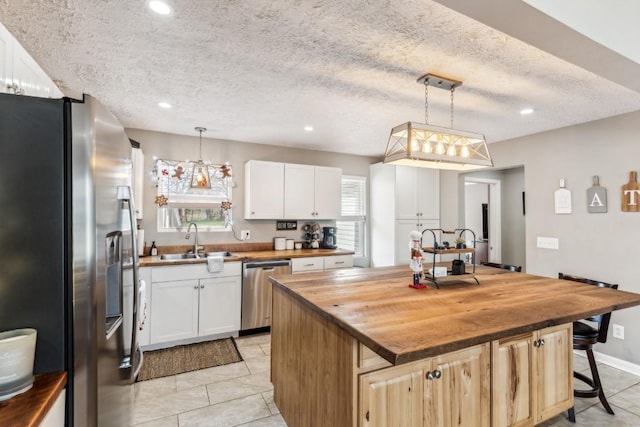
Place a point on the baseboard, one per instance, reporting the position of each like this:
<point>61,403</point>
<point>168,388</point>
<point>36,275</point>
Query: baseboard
<point>614,362</point>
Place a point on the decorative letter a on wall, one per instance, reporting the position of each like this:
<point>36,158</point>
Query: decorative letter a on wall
<point>596,197</point>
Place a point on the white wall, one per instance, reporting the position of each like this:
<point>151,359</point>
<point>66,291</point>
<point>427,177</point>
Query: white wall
<point>600,246</point>
<point>179,147</point>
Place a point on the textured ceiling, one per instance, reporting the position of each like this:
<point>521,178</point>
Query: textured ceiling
<point>259,71</point>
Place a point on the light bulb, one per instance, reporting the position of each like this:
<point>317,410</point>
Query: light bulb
<point>426,147</point>
<point>464,151</point>
<point>451,151</point>
<point>440,148</point>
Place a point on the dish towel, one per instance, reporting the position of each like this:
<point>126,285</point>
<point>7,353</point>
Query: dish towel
<point>215,264</point>
<point>142,304</point>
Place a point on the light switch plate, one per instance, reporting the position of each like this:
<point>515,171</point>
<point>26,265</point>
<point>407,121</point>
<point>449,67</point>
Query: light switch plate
<point>548,242</point>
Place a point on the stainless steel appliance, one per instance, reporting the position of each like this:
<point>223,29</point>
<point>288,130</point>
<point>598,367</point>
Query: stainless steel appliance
<point>329,237</point>
<point>67,232</point>
<point>256,291</point>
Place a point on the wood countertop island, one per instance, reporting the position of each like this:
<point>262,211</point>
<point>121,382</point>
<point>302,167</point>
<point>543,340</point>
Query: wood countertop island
<point>359,347</point>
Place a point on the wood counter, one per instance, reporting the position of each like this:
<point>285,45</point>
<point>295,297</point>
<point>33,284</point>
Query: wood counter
<point>324,323</point>
<point>30,408</point>
<point>251,255</point>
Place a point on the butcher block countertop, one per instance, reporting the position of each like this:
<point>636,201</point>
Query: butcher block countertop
<point>378,308</point>
<point>29,408</point>
<point>251,255</point>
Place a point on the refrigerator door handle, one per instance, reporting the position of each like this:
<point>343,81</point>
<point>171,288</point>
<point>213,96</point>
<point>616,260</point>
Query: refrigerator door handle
<point>124,195</point>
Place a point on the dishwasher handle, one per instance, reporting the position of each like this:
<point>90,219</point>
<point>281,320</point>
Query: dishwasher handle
<point>267,264</point>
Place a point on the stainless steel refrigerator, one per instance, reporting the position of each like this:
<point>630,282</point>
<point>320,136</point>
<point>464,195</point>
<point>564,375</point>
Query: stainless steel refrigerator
<point>67,234</point>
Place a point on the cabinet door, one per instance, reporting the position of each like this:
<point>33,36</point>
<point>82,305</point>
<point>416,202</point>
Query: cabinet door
<point>219,310</point>
<point>299,191</point>
<point>457,391</point>
<point>137,178</point>
<point>338,261</point>
<point>6,60</point>
<point>406,199</point>
<point>175,310</point>
<point>328,192</point>
<point>305,265</point>
<point>264,190</point>
<point>428,193</point>
<point>393,397</point>
<point>512,389</point>
<point>554,367</point>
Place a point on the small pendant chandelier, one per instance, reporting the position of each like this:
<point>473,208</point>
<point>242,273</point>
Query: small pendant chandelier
<point>423,145</point>
<point>200,177</point>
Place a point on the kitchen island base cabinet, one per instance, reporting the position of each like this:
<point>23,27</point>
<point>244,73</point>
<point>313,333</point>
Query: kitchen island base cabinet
<point>323,376</point>
<point>532,376</point>
<point>447,390</point>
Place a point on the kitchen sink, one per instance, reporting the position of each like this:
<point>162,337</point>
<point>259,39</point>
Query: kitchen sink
<point>175,257</point>
<point>223,254</point>
<point>178,256</point>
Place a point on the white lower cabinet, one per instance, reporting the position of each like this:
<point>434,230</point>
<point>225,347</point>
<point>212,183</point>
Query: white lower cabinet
<point>319,263</point>
<point>189,302</point>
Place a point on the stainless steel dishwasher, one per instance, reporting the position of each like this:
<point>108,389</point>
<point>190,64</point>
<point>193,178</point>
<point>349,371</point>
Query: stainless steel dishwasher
<point>256,291</point>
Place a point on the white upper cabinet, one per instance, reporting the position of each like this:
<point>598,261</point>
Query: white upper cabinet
<point>417,193</point>
<point>312,192</point>
<point>289,191</point>
<point>299,191</point>
<point>137,176</point>
<point>263,190</point>
<point>20,73</point>
<point>328,192</point>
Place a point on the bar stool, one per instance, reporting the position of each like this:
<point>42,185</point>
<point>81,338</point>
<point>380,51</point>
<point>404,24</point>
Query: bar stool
<point>509,267</point>
<point>584,338</point>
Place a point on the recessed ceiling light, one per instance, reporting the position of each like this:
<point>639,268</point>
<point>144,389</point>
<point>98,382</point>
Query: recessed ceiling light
<point>164,105</point>
<point>308,128</point>
<point>526,111</point>
<point>159,7</point>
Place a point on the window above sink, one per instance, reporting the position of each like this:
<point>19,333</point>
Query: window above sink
<point>180,203</point>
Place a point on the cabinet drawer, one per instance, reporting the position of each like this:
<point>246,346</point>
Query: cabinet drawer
<point>300,265</point>
<point>193,271</point>
<point>338,261</point>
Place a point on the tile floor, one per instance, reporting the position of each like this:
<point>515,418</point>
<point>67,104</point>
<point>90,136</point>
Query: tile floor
<point>240,394</point>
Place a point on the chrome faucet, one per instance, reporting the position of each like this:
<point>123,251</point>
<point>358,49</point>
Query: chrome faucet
<point>188,236</point>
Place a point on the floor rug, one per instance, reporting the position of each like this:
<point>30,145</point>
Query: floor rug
<point>190,357</point>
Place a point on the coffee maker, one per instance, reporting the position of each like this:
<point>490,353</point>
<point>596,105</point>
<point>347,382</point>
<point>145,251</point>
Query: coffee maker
<point>329,237</point>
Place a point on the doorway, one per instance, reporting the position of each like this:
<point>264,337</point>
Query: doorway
<point>503,193</point>
<point>483,216</point>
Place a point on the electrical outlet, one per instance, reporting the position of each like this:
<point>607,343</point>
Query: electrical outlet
<point>618,331</point>
<point>548,243</point>
<point>245,235</point>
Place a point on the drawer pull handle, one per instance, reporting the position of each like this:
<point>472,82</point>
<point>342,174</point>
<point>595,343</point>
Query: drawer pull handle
<point>309,265</point>
<point>339,262</point>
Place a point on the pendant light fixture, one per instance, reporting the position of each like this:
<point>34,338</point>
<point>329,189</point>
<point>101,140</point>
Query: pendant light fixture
<point>200,177</point>
<point>423,145</point>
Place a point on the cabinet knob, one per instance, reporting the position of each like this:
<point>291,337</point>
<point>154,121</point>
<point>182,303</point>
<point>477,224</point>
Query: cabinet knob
<point>253,213</point>
<point>538,343</point>
<point>201,286</point>
<point>195,287</point>
<point>15,87</point>
<point>434,375</point>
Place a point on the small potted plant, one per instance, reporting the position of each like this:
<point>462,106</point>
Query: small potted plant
<point>460,243</point>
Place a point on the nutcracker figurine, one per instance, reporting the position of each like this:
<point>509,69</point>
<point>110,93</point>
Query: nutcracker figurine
<point>416,258</point>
